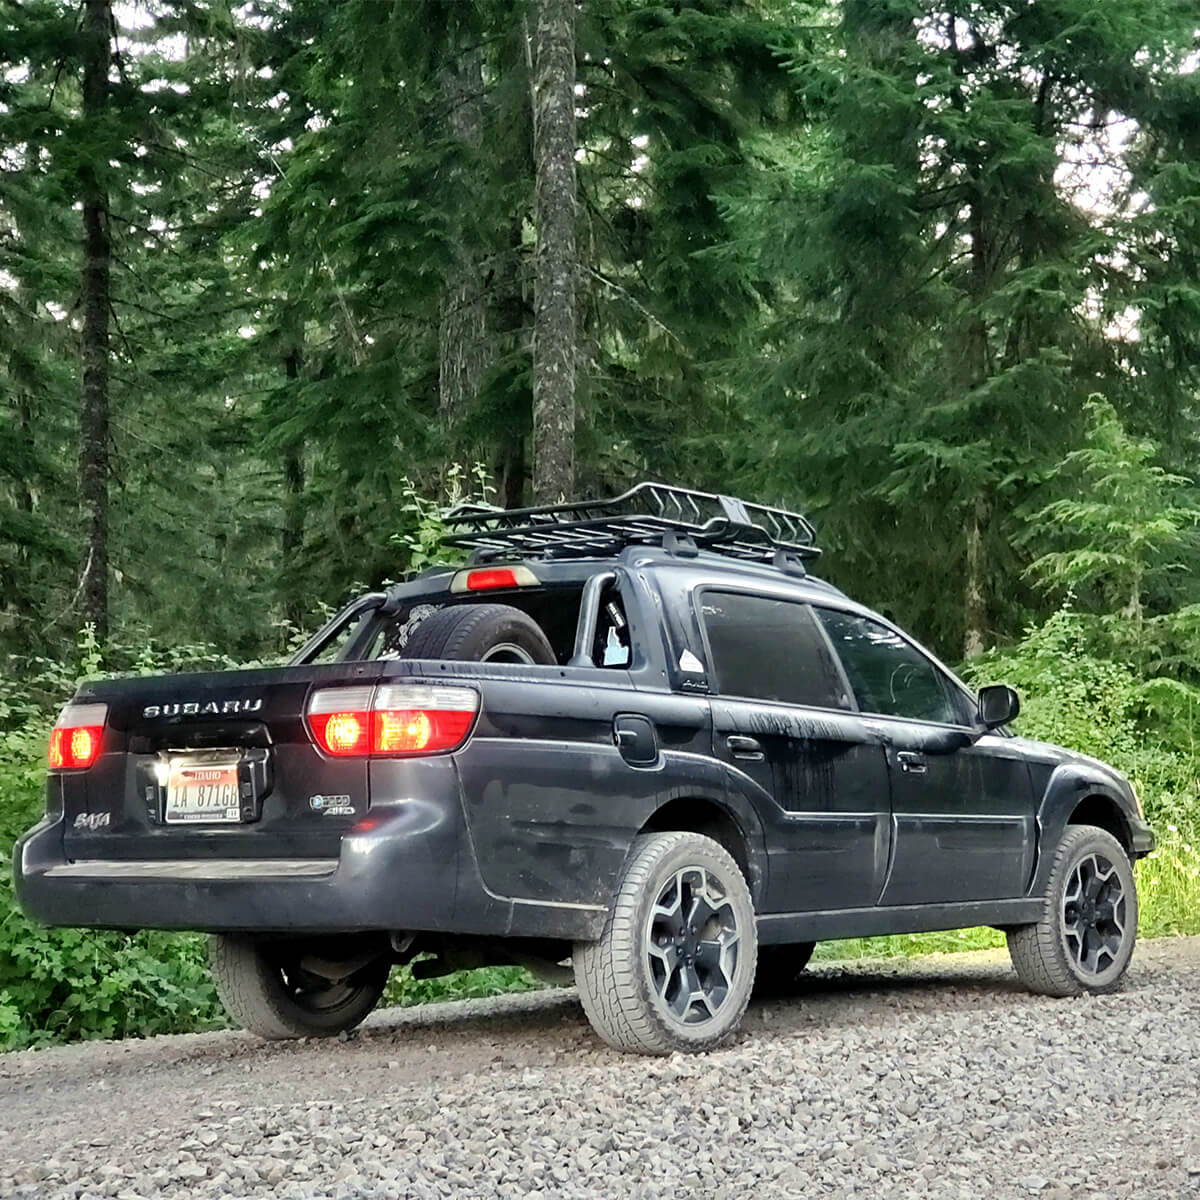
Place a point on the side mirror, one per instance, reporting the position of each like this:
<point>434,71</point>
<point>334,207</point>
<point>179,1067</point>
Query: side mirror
<point>998,705</point>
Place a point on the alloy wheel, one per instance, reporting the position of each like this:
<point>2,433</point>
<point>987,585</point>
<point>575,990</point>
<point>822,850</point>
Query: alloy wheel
<point>1094,915</point>
<point>692,945</point>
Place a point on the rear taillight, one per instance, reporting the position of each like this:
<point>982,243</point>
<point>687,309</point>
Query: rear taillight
<point>76,736</point>
<point>411,719</point>
<point>398,720</point>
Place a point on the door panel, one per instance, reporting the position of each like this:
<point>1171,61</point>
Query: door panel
<point>963,825</point>
<point>965,828</point>
<point>821,782</point>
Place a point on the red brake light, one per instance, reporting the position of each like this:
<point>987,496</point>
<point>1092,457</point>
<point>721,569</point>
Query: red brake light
<point>484,579</point>
<point>500,577</point>
<point>342,732</point>
<point>76,737</point>
<point>398,720</point>
<point>341,720</point>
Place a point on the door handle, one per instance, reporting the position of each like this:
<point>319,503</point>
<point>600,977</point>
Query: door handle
<point>911,762</point>
<point>744,747</point>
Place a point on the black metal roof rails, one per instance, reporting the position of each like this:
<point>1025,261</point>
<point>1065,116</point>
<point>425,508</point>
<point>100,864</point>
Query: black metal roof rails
<point>681,520</point>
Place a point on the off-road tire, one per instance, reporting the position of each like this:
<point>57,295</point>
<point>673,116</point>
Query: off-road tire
<point>480,633</point>
<point>255,994</point>
<point>1040,952</point>
<point>614,974</point>
<point>780,967</point>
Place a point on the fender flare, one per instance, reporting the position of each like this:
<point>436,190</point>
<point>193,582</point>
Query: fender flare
<point>1069,786</point>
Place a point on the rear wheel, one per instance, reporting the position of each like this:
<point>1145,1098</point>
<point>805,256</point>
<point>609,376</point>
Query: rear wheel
<point>286,989</point>
<point>674,967</point>
<point>481,633</point>
<point>1085,939</point>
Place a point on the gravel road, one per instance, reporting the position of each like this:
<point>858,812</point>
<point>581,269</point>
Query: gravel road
<point>935,1077</point>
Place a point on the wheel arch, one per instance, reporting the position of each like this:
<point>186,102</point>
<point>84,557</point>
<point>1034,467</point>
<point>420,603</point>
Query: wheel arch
<point>1078,795</point>
<point>709,818</point>
<point>1105,813</point>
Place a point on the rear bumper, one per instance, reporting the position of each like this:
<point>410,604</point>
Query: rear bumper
<point>406,867</point>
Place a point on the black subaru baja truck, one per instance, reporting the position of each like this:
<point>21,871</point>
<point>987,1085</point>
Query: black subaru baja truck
<point>634,733</point>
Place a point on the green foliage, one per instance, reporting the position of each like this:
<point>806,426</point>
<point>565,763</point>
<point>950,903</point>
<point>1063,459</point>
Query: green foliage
<point>423,524</point>
<point>65,984</point>
<point>460,985</point>
<point>1126,524</point>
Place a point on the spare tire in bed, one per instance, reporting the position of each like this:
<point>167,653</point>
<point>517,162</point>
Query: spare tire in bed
<point>480,633</point>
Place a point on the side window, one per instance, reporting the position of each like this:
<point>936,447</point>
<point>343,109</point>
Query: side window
<point>768,649</point>
<point>889,676</point>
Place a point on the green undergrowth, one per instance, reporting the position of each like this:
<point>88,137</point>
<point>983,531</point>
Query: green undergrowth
<point>462,985</point>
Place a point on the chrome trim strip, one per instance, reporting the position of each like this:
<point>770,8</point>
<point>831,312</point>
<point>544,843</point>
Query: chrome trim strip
<point>190,868</point>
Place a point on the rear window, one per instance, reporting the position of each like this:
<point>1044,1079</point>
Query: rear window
<point>767,649</point>
<point>555,609</point>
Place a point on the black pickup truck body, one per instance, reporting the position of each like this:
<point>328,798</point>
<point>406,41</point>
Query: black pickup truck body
<point>845,822</point>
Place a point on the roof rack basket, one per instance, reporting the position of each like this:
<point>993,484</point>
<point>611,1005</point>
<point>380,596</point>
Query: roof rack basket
<point>680,519</point>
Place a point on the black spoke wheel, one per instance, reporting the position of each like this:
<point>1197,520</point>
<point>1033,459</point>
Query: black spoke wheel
<point>692,945</point>
<point>1094,914</point>
<point>1086,936</point>
<point>286,989</point>
<point>674,966</point>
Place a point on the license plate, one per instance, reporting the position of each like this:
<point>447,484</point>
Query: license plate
<point>203,792</point>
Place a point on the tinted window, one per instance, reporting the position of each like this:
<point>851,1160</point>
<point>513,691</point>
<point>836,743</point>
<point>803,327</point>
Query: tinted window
<point>889,675</point>
<point>770,650</point>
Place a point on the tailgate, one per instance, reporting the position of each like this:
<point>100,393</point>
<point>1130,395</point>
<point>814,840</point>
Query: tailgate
<point>213,766</point>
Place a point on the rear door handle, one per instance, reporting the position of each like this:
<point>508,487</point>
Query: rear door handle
<point>911,762</point>
<point>744,747</point>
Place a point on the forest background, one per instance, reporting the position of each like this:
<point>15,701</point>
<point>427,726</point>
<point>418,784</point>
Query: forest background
<point>278,278</point>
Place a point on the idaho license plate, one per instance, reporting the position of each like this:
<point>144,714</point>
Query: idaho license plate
<point>203,792</point>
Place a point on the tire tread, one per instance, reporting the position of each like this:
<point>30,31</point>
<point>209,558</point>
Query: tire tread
<point>607,971</point>
<point>1037,955</point>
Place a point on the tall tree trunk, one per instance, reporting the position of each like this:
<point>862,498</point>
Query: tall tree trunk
<point>464,351</point>
<point>555,265</point>
<point>97,253</point>
<point>974,595</point>
<point>511,311</point>
<point>292,536</point>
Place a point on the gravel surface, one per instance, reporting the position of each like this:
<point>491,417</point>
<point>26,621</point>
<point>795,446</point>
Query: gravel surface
<point>933,1077</point>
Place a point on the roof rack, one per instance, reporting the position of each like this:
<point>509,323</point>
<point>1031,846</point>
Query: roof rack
<point>681,520</point>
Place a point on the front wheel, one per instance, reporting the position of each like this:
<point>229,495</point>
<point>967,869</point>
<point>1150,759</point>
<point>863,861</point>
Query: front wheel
<point>674,967</point>
<point>288,989</point>
<point>1085,939</point>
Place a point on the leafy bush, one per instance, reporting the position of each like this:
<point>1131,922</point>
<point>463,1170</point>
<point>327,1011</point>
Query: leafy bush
<point>64,984</point>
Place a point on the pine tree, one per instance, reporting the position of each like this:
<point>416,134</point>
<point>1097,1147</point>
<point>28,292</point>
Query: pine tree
<point>944,333</point>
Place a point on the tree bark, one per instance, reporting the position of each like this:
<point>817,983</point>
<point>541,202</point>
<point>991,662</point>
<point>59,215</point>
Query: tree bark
<point>975,589</point>
<point>95,299</point>
<point>463,346</point>
<point>974,593</point>
<point>292,537</point>
<point>555,262</point>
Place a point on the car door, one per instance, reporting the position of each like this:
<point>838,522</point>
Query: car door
<point>783,719</point>
<point>963,815</point>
